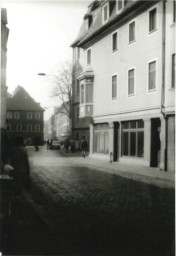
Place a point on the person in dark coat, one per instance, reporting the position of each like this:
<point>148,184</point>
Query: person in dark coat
<point>36,143</point>
<point>83,146</point>
<point>19,161</point>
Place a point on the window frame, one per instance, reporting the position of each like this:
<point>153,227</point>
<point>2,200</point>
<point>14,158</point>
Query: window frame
<point>134,40</point>
<point>77,86</point>
<point>29,118</point>
<point>103,14</point>
<point>17,129</point>
<point>173,71</point>
<point>134,82</point>
<point>174,11</point>
<point>149,20</point>
<point>37,125</point>
<point>37,113</point>
<point>117,9</point>
<point>114,98</point>
<point>9,115</point>
<point>87,57</point>
<point>130,130</point>
<point>117,40</point>
<point>10,127</point>
<point>16,115</point>
<point>27,126</point>
<point>156,73</point>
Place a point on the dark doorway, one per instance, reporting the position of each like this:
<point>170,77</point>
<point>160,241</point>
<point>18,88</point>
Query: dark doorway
<point>116,142</point>
<point>155,141</point>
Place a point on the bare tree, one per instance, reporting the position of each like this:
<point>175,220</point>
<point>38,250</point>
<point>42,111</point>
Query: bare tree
<point>62,87</point>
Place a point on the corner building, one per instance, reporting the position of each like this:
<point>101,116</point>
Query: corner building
<point>124,71</point>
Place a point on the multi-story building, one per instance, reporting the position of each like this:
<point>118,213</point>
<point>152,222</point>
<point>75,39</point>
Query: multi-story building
<point>124,81</point>
<point>24,117</point>
<point>4,38</point>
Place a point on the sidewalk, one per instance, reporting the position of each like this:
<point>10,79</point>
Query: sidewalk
<point>145,174</point>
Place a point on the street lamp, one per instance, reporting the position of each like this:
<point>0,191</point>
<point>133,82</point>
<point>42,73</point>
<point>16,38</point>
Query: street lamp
<point>41,74</point>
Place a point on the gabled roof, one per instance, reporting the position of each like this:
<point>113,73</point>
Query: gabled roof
<point>21,100</point>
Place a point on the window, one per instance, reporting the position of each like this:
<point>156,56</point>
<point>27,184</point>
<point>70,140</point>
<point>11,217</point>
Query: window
<point>78,52</point>
<point>37,127</point>
<point>114,42</point>
<point>89,57</point>
<point>114,87</point>
<point>77,115</point>
<point>16,115</point>
<point>29,115</point>
<point>105,13</point>
<point>77,87</point>
<point>133,138</point>
<point>82,94</point>
<point>29,127</point>
<point>89,93</point>
<point>9,128</point>
<point>152,20</point>
<point>119,5</point>
<point>37,116</point>
<point>9,115</point>
<point>173,70</point>
<point>19,127</point>
<point>174,10</point>
<point>101,138</point>
<point>132,32</point>
<point>131,82</point>
<point>152,76</point>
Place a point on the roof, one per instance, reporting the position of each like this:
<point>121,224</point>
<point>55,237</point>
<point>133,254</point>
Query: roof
<point>21,100</point>
<point>97,27</point>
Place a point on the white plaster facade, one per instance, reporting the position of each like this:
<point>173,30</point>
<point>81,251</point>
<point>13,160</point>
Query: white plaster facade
<point>155,107</point>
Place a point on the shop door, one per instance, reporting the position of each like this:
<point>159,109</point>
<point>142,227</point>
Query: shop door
<point>116,142</point>
<point>155,142</point>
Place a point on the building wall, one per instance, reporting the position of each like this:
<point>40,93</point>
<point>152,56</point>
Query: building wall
<point>146,47</point>
<point>170,49</point>
<point>29,135</point>
<point>4,38</point>
<point>144,105</point>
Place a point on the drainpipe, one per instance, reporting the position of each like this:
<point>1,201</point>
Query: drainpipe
<point>163,79</point>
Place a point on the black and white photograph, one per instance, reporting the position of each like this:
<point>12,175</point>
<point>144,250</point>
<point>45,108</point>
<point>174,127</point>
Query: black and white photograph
<point>87,140</point>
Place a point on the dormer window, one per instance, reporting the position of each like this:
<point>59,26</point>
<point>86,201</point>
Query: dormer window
<point>120,5</point>
<point>88,20</point>
<point>105,13</point>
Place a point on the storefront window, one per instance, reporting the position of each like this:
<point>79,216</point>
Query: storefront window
<point>101,138</point>
<point>133,138</point>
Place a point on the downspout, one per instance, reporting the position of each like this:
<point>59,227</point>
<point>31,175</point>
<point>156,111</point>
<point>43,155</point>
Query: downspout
<point>163,79</point>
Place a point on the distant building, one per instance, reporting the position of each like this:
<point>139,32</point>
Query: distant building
<point>124,81</point>
<point>4,38</point>
<point>51,128</point>
<point>62,123</point>
<point>24,117</point>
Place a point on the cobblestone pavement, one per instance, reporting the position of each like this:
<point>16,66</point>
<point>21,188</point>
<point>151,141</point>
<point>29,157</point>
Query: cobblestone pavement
<point>89,212</point>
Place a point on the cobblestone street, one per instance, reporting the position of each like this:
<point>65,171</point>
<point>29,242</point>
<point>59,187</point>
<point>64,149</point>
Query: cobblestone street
<point>88,212</point>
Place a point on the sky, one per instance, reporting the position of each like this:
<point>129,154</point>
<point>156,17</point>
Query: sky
<point>40,36</point>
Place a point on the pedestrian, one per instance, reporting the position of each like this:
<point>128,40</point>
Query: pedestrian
<point>19,161</point>
<point>51,143</point>
<point>66,145</point>
<point>48,144</point>
<point>36,143</point>
<point>83,146</point>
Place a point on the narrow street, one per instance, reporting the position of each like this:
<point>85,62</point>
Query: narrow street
<point>82,211</point>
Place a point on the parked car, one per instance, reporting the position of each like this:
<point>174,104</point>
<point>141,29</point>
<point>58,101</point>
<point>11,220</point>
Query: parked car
<point>56,144</point>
